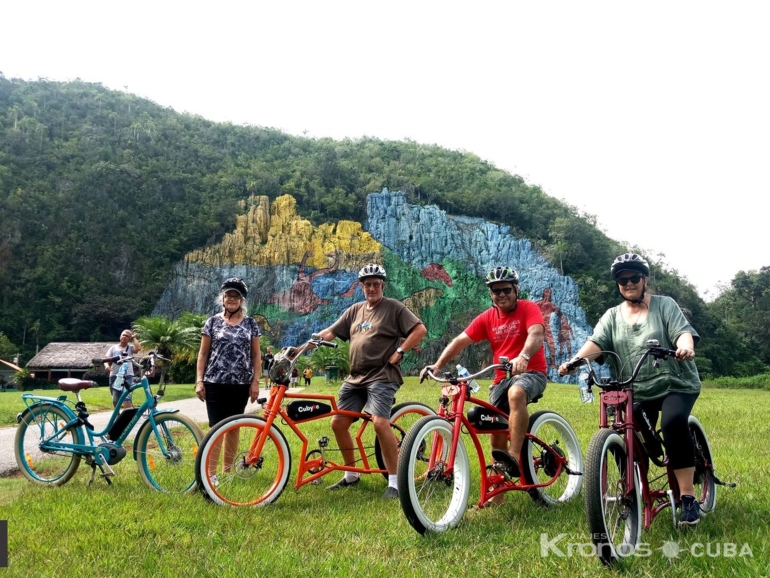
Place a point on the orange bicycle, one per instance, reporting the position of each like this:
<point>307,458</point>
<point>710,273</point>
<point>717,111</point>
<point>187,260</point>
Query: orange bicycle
<point>254,467</point>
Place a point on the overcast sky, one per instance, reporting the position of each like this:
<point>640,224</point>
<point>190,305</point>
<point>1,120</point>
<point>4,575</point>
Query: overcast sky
<point>652,116</point>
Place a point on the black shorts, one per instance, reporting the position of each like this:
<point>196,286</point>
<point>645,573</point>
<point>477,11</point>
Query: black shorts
<point>225,400</point>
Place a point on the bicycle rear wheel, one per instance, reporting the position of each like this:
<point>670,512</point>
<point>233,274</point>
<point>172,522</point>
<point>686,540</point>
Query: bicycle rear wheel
<point>432,499</point>
<point>614,516</point>
<point>226,472</point>
<point>540,460</point>
<point>402,417</point>
<point>705,478</point>
<point>173,471</point>
<point>39,465</point>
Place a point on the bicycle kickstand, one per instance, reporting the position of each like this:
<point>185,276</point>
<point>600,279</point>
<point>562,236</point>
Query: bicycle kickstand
<point>106,475</point>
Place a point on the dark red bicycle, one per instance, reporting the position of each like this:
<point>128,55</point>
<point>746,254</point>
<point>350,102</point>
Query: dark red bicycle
<point>627,478</point>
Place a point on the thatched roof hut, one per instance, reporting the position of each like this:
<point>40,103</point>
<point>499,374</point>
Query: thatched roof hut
<point>59,360</point>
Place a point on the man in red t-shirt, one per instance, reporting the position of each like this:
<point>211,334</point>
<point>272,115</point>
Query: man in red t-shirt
<point>514,329</point>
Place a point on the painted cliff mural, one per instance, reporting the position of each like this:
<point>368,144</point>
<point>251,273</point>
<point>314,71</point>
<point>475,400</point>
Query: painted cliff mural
<point>301,276</point>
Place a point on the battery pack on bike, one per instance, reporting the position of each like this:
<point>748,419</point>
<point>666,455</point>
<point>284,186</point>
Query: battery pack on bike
<point>120,424</point>
<point>304,409</point>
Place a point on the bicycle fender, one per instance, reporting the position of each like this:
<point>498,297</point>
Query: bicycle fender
<point>146,424</point>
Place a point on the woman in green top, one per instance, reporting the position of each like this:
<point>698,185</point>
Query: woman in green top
<point>671,389</point>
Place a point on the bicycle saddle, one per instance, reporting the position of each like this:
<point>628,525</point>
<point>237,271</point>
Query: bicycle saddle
<point>72,384</point>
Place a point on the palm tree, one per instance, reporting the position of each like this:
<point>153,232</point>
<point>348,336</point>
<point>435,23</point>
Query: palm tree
<point>169,338</point>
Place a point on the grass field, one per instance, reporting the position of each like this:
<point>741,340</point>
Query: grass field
<point>128,530</point>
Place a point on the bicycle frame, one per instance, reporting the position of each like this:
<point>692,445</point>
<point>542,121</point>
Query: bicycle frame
<point>79,420</point>
<point>655,500</point>
<point>317,467</point>
<point>453,410</point>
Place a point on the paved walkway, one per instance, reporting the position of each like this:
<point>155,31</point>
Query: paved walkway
<point>191,407</point>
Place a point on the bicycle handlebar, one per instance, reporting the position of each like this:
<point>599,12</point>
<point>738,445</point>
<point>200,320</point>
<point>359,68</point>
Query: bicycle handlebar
<point>652,349</point>
<point>449,376</point>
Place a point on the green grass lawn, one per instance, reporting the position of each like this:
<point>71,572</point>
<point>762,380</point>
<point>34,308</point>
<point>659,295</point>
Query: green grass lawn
<point>97,399</point>
<point>128,530</point>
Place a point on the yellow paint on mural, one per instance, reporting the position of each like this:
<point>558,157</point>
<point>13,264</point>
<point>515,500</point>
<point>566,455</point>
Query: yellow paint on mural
<point>421,299</point>
<point>275,234</point>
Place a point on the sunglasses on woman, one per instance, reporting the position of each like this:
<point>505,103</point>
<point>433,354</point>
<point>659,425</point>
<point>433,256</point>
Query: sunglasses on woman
<point>623,281</point>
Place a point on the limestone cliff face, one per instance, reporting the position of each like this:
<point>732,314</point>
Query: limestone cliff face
<point>302,277</point>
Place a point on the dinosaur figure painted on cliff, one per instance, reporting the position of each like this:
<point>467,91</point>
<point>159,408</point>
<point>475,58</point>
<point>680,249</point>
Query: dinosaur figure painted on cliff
<point>301,298</point>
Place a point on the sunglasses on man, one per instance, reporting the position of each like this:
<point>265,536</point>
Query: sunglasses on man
<point>623,281</point>
<point>504,291</point>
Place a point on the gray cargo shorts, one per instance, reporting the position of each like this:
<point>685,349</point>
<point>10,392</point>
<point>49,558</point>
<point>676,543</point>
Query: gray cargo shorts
<point>532,382</point>
<point>375,398</point>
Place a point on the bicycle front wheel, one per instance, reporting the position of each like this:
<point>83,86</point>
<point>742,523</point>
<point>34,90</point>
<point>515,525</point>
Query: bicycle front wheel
<point>555,439</point>
<point>173,471</point>
<point>432,499</point>
<point>614,515</point>
<point>40,465</point>
<point>705,478</point>
<point>229,475</point>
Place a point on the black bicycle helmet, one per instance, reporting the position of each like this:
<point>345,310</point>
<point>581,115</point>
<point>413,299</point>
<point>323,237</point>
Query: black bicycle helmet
<point>502,275</point>
<point>235,284</point>
<point>629,262</point>
<point>372,270</point>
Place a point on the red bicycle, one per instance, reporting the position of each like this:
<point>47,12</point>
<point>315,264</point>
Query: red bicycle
<point>628,481</point>
<point>254,468</point>
<point>434,476</point>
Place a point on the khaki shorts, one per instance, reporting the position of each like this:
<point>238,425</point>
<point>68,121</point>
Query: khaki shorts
<point>532,382</point>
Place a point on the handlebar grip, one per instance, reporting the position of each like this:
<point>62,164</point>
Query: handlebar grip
<point>329,344</point>
<point>574,364</point>
<point>111,359</point>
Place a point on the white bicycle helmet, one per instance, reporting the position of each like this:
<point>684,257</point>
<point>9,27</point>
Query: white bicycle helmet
<point>372,270</point>
<point>629,262</point>
<point>502,274</point>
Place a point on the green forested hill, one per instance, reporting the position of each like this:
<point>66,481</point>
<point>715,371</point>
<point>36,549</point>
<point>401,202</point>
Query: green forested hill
<point>102,191</point>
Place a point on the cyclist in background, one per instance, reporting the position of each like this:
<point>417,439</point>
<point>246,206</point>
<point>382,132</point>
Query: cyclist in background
<point>126,348</point>
<point>673,388</point>
<point>514,328</point>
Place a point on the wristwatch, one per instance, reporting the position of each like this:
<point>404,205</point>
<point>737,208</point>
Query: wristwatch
<point>524,355</point>
<point>400,351</point>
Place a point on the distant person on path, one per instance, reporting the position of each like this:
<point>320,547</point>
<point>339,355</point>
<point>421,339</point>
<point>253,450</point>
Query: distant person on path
<point>308,375</point>
<point>267,364</point>
<point>294,377</point>
<point>127,346</point>
<point>670,388</point>
<point>229,364</point>
<point>514,329</point>
<point>380,331</point>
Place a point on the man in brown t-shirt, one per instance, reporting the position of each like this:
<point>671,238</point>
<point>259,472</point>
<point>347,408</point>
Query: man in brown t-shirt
<point>375,329</point>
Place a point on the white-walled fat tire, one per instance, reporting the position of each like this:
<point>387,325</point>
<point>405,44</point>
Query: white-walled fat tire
<point>540,461</point>
<point>243,484</point>
<point>614,519</point>
<point>432,501</point>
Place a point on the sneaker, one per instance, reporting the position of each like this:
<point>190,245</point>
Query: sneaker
<point>689,515</point>
<point>343,483</point>
<point>508,462</point>
<point>214,481</point>
<point>390,494</point>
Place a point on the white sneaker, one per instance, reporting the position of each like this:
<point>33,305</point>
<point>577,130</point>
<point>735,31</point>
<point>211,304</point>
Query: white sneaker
<point>214,481</point>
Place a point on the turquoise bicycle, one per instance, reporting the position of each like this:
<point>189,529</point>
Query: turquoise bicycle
<point>54,434</point>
